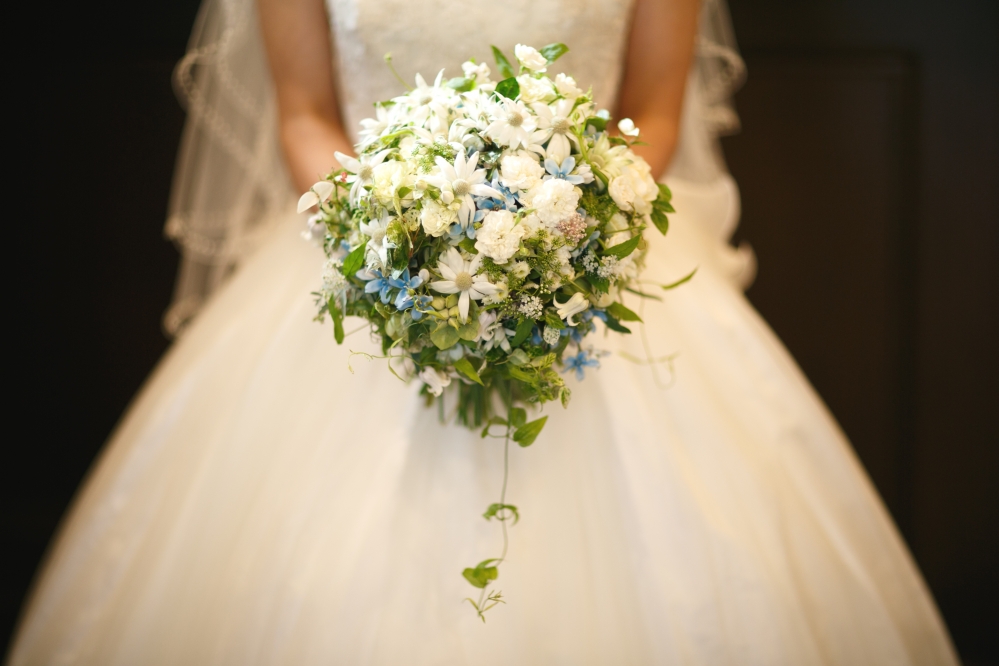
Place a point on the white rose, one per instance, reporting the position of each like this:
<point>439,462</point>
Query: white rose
<point>635,189</point>
<point>520,172</point>
<point>554,200</point>
<point>622,192</point>
<point>535,90</point>
<point>566,86</point>
<point>530,58</point>
<point>387,178</point>
<point>478,71</point>
<point>436,219</point>
<point>499,236</point>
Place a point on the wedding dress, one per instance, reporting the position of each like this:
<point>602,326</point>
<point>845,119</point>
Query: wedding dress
<point>262,503</point>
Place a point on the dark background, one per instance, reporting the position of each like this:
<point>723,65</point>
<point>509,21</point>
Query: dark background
<point>869,167</point>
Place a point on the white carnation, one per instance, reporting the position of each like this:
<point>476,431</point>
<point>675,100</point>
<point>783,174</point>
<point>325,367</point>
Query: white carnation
<point>519,269</point>
<point>436,219</point>
<point>635,189</point>
<point>499,236</point>
<point>530,58</point>
<point>520,172</point>
<point>554,200</point>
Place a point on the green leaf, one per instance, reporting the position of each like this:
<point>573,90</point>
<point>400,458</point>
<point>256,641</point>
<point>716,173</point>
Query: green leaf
<point>494,512</point>
<point>509,88</point>
<point>464,366</point>
<point>502,64</point>
<point>493,421</point>
<point>554,320</point>
<point>622,250</point>
<point>354,260</point>
<point>598,123</point>
<point>676,284</point>
<point>444,336</point>
<point>620,312</point>
<point>461,84</point>
<point>600,284</point>
<point>518,417</point>
<point>660,220</point>
<point>468,245</point>
<point>337,318</point>
<point>642,294</point>
<point>527,433</point>
<point>524,328</point>
<point>553,52</point>
<point>664,193</point>
<point>521,375</point>
<point>470,329</point>
<point>614,325</point>
<point>481,574</point>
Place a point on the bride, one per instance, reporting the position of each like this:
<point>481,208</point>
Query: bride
<point>261,503</point>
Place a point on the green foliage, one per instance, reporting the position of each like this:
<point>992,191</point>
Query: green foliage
<point>599,205</point>
<point>524,328</point>
<point>597,123</point>
<point>553,52</point>
<point>464,366</point>
<point>618,311</point>
<point>502,64</point>
<point>337,316</point>
<point>518,417</point>
<point>468,245</point>
<point>444,336</point>
<point>482,573</point>
<point>354,260</point>
<point>622,250</point>
<point>527,433</point>
<point>502,512</point>
<point>660,220</point>
<point>508,88</point>
<point>686,278</point>
<point>461,84</point>
<point>615,325</point>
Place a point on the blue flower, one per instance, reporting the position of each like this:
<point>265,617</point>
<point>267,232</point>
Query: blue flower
<point>376,282</point>
<point>420,305</point>
<point>563,172</point>
<point>485,204</point>
<point>578,362</point>
<point>456,234</point>
<point>405,285</point>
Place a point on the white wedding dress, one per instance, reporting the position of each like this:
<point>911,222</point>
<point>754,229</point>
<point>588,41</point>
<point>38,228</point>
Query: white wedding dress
<point>261,504</point>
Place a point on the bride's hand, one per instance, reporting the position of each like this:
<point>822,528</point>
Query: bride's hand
<point>297,40</point>
<point>660,51</point>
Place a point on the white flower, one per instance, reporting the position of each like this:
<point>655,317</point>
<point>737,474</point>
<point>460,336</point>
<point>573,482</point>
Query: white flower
<point>474,70</point>
<point>492,333</point>
<point>437,219</point>
<point>435,380</point>
<point>531,223</point>
<point>360,171</point>
<point>535,90</point>
<point>531,306</point>
<point>530,58</point>
<point>554,200</point>
<point>378,246</point>
<point>627,127</point>
<point>635,189</point>
<point>519,269</point>
<point>520,172</point>
<point>566,86</point>
<point>387,178</point>
<point>572,306</point>
<point>551,335</point>
<point>315,231</point>
<point>556,124</point>
<point>373,127</point>
<point>318,193</point>
<point>610,159</point>
<point>333,280</point>
<point>502,293</point>
<point>423,96</point>
<point>512,125</point>
<point>564,256</point>
<point>459,182</point>
<point>499,236</point>
<point>461,277</point>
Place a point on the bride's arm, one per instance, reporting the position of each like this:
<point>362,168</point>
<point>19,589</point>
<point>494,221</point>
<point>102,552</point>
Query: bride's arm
<point>297,40</point>
<point>660,50</point>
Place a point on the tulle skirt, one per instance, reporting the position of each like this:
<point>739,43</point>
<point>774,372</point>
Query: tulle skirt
<point>263,503</point>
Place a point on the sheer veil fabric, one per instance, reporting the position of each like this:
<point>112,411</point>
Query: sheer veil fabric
<point>262,503</point>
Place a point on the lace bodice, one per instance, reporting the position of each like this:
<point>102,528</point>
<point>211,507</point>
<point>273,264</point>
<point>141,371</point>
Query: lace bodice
<point>425,35</point>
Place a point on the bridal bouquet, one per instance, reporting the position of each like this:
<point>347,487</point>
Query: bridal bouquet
<point>483,230</point>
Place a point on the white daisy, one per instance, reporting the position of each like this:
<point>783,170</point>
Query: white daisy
<point>461,277</point>
<point>512,125</point>
<point>458,182</point>
<point>360,171</point>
